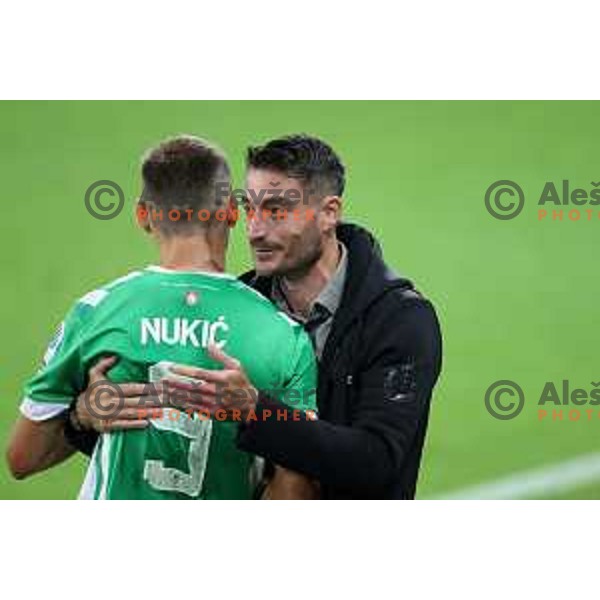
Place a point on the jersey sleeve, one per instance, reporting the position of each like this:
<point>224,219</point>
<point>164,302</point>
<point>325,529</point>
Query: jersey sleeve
<point>300,389</point>
<point>61,377</point>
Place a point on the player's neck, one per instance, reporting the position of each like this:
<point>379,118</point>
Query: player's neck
<point>301,291</point>
<point>193,253</point>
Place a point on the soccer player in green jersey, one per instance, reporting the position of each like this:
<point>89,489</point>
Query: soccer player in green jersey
<point>187,310</point>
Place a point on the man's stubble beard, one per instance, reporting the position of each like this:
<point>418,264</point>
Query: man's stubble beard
<point>306,251</point>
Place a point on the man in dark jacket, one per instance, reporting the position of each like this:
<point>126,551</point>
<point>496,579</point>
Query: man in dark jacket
<point>377,370</point>
<point>377,340</point>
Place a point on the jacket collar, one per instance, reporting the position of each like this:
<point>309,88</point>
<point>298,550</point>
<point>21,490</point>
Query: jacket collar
<point>368,275</point>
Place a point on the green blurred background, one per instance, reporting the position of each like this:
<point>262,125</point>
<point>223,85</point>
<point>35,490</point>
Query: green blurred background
<point>517,299</point>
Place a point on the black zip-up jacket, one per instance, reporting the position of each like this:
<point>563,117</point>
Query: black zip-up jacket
<point>375,379</point>
<point>379,366</point>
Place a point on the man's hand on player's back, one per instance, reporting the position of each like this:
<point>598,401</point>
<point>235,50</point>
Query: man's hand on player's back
<point>105,406</point>
<point>228,390</point>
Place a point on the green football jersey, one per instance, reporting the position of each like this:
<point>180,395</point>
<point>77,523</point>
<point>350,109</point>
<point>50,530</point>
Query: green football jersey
<point>156,315</point>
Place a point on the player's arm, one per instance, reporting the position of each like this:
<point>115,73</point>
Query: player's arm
<point>40,437</point>
<point>38,440</point>
<point>35,446</point>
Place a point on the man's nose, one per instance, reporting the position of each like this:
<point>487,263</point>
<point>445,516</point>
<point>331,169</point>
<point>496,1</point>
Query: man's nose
<point>256,227</point>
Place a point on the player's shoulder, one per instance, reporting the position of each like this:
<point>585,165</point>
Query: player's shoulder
<point>94,298</point>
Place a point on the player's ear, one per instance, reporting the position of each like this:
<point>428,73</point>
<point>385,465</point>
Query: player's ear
<point>233,213</point>
<point>142,216</point>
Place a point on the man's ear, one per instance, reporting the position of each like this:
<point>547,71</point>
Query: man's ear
<point>233,212</point>
<point>142,216</point>
<point>331,207</point>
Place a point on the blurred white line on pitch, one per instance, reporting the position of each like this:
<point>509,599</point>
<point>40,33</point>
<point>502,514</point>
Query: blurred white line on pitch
<point>535,483</point>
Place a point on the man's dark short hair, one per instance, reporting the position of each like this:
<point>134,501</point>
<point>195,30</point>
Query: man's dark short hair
<point>185,172</point>
<point>301,157</point>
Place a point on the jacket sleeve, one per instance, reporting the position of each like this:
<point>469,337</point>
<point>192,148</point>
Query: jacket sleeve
<point>84,441</point>
<point>400,360</point>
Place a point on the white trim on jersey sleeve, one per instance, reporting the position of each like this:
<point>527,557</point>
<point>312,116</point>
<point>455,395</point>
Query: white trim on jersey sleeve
<point>94,297</point>
<point>54,344</point>
<point>42,411</point>
<point>88,486</point>
<point>105,442</point>
<point>121,280</point>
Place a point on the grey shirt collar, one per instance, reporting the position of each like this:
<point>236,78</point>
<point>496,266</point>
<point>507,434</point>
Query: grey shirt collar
<point>329,297</point>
